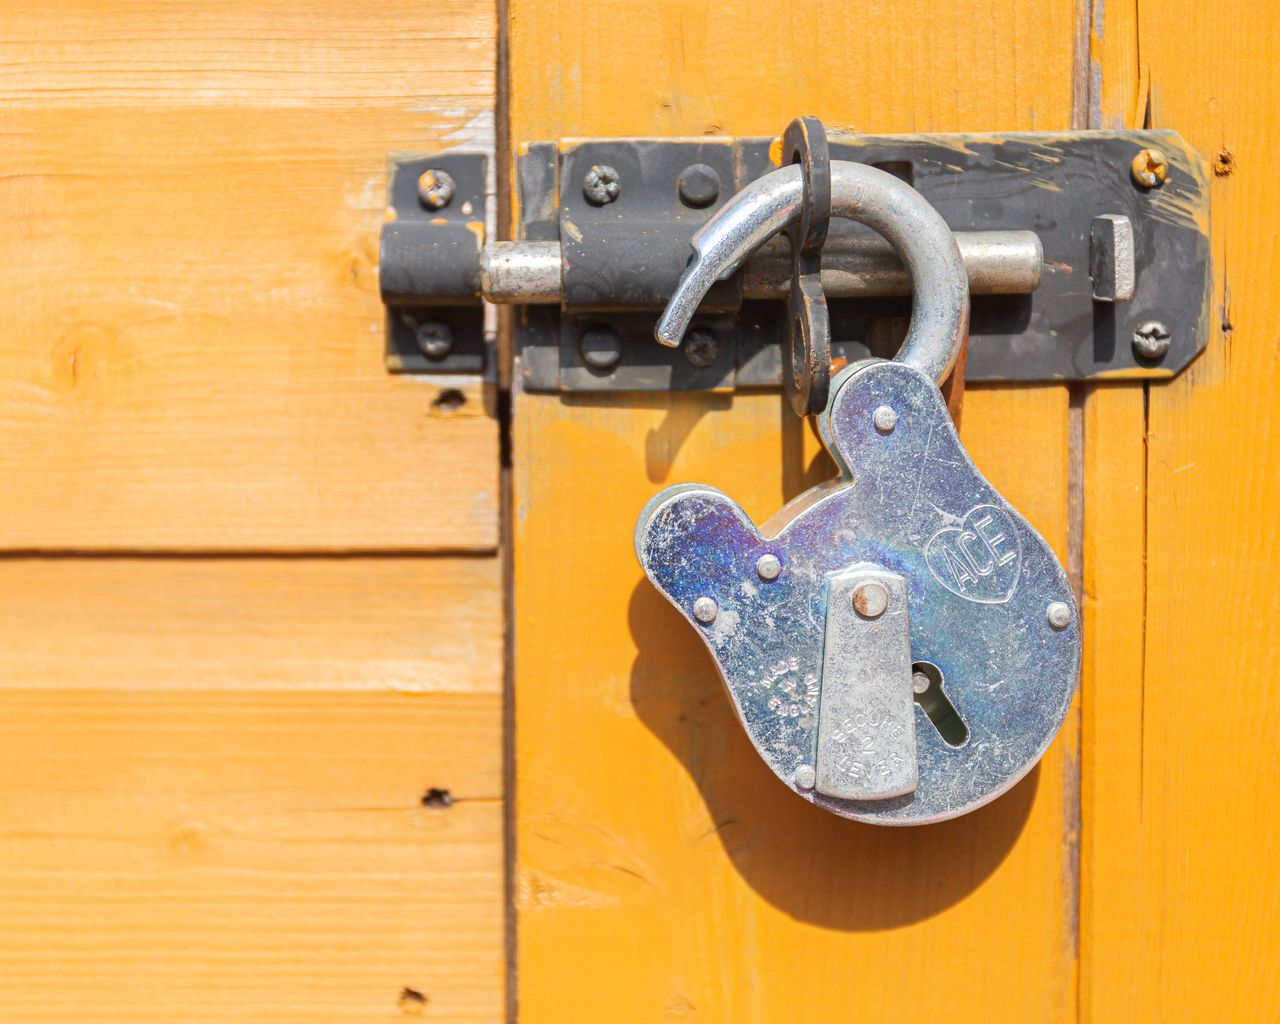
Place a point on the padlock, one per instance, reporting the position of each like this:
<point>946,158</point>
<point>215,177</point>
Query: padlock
<point>900,645</point>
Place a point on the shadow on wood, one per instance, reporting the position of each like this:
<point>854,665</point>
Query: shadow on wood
<point>811,864</point>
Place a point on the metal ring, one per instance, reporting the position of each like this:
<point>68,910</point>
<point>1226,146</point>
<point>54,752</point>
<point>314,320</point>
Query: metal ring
<point>806,348</point>
<point>805,143</point>
<point>940,287</point>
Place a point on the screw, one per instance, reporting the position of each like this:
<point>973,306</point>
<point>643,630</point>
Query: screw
<point>705,610</point>
<point>768,567</point>
<point>434,338</point>
<point>919,682</point>
<point>1149,168</point>
<point>1059,614</point>
<point>435,189</point>
<point>702,349</point>
<point>601,348</point>
<point>885,419</point>
<point>870,600</point>
<point>805,777</point>
<point>601,185</point>
<point>1151,340</point>
<point>699,185</point>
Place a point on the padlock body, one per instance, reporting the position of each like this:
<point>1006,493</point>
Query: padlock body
<point>991,617</point>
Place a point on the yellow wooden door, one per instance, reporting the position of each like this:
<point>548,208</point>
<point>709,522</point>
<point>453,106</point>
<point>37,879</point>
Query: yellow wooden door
<point>257,599</point>
<point>660,872</point>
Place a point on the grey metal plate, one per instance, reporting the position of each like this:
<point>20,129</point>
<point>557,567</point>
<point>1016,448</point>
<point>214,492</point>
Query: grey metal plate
<point>444,245</point>
<point>980,582</point>
<point>1052,183</point>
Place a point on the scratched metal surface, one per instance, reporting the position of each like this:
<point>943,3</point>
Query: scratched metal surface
<point>913,502</point>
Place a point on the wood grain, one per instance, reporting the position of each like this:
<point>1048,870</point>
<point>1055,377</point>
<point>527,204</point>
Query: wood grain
<point>1193,790</point>
<point>1113,910</point>
<point>246,856</point>
<point>413,625</point>
<point>213,774</point>
<point>658,855</point>
<point>192,353</point>
<point>661,871</point>
<point>239,788</point>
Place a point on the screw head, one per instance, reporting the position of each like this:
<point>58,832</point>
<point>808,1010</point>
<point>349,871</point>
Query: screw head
<point>434,338</point>
<point>600,348</point>
<point>885,419</point>
<point>1149,169</point>
<point>699,185</point>
<point>805,777</point>
<point>435,188</point>
<point>768,567</point>
<point>705,610</point>
<point>701,349</point>
<point>601,185</point>
<point>1151,340</point>
<point>919,682</point>
<point>1059,614</point>
<point>870,600</point>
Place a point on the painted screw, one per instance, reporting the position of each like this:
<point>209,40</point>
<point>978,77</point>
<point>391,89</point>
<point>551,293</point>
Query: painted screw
<point>1149,168</point>
<point>435,188</point>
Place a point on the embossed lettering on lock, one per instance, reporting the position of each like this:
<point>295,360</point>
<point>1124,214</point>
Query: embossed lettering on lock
<point>900,645</point>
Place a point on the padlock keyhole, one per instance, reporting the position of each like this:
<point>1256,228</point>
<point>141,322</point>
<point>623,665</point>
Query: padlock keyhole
<point>926,684</point>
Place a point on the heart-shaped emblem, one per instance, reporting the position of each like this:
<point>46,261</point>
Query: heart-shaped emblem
<point>979,560</point>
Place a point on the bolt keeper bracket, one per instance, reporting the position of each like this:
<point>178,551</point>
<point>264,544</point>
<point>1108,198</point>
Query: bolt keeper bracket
<point>1087,257</point>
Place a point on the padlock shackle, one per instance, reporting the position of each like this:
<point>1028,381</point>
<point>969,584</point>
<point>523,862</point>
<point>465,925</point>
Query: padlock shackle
<point>940,286</point>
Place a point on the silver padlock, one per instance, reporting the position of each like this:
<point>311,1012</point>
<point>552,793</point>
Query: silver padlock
<point>899,643</point>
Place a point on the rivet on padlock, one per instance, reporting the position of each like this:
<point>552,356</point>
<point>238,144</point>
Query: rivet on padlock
<point>900,645</point>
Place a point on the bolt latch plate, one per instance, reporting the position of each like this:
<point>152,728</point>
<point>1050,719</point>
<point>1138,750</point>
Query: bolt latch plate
<point>1111,252</point>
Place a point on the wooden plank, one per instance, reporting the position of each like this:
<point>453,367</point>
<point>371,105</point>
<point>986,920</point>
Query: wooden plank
<point>212,782</point>
<point>195,856</point>
<point>1113,918</point>
<point>658,856</point>
<point>430,625</point>
<point>192,200</point>
<point>661,872</point>
<point>1195,937</point>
